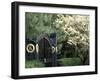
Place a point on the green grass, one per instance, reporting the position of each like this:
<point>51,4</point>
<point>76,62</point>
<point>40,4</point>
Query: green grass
<point>70,61</point>
<point>62,62</point>
<point>33,63</point>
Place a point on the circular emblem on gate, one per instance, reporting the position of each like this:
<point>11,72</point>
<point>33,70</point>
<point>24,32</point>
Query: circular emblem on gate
<point>30,48</point>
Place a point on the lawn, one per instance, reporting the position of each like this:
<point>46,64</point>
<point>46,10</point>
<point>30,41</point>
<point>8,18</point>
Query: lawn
<point>33,63</point>
<point>60,62</point>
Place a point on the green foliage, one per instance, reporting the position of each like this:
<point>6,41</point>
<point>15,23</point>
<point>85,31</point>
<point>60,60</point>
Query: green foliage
<point>33,63</point>
<point>37,24</point>
<point>73,27</point>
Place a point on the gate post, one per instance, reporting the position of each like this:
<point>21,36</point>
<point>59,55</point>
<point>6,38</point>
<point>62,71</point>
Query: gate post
<point>54,58</point>
<point>37,52</point>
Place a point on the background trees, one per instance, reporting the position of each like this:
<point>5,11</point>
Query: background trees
<point>72,33</point>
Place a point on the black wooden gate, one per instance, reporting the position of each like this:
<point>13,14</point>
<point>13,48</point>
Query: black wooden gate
<point>43,49</point>
<point>45,52</point>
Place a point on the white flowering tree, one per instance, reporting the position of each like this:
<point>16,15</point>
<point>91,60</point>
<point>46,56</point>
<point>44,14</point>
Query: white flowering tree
<point>74,29</point>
